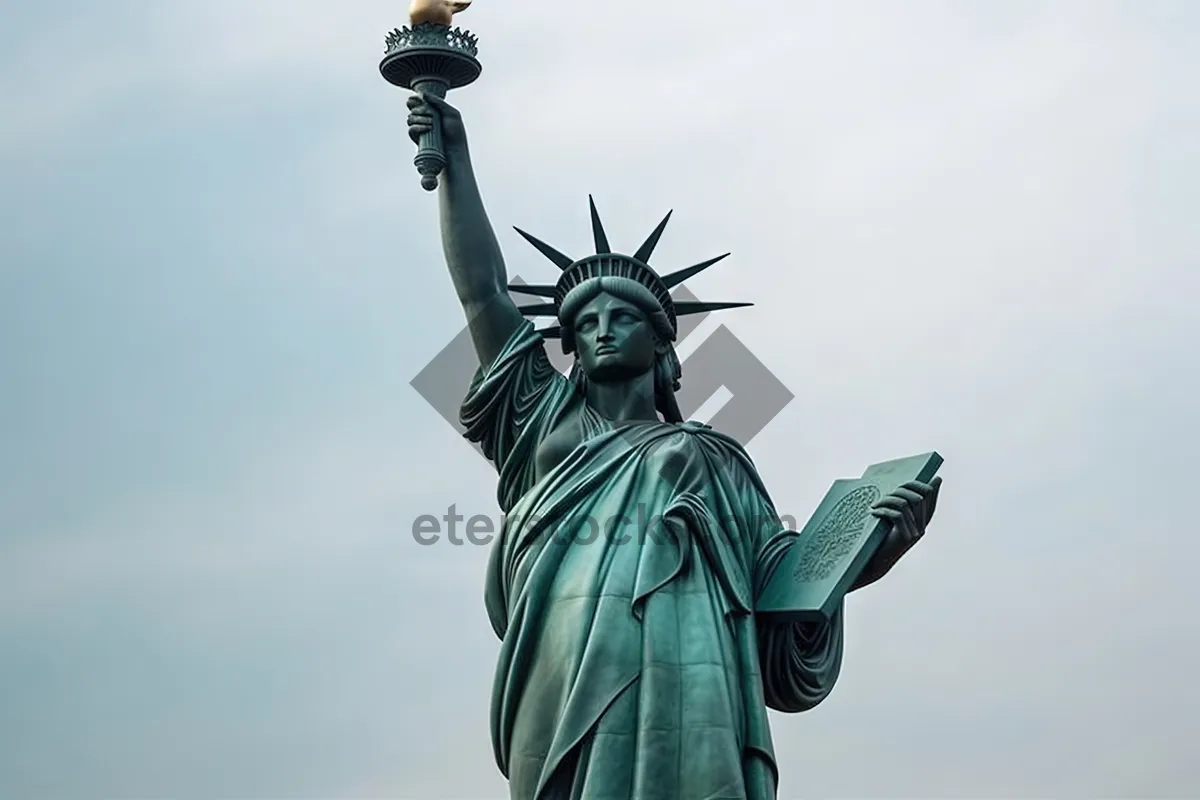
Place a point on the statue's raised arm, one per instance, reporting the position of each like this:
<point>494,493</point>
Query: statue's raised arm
<point>472,252</point>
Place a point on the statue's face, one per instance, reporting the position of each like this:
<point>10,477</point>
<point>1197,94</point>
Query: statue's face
<point>614,339</point>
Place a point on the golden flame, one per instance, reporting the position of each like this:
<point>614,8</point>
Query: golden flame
<point>438,12</point>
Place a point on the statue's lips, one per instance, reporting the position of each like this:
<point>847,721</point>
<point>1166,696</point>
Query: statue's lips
<point>606,350</point>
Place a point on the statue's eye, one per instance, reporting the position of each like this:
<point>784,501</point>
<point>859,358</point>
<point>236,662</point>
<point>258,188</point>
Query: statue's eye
<point>585,324</point>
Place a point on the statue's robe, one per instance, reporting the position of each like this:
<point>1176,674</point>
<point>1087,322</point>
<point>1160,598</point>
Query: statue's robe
<point>622,586</point>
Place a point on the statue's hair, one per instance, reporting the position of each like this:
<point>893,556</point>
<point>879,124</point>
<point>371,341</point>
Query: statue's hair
<point>667,369</point>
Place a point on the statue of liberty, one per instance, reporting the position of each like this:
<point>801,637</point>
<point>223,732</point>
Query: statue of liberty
<point>632,663</point>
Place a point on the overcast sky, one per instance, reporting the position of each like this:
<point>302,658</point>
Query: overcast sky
<point>968,226</point>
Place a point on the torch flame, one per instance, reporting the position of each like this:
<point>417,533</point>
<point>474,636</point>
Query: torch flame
<point>438,12</point>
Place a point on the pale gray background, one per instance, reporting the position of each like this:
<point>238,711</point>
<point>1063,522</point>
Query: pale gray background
<point>978,233</point>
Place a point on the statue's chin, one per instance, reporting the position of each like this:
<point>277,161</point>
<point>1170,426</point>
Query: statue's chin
<point>613,373</point>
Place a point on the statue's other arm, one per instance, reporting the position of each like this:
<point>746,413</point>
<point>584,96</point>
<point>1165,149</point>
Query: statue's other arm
<point>468,241</point>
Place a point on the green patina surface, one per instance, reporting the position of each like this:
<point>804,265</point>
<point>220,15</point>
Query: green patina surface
<point>637,545</point>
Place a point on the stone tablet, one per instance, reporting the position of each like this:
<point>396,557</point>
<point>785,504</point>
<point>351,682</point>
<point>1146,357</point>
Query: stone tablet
<point>838,541</point>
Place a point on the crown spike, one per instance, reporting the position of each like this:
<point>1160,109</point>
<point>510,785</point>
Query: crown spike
<point>643,252</point>
<point>598,230</point>
<point>539,310</point>
<point>553,332</point>
<point>676,278</point>
<point>560,260</point>
<point>532,289</point>
<point>685,307</point>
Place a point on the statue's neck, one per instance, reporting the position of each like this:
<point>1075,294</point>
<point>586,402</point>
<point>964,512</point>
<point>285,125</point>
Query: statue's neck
<point>624,401</point>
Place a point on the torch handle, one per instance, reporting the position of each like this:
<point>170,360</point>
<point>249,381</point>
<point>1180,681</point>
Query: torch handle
<point>431,158</point>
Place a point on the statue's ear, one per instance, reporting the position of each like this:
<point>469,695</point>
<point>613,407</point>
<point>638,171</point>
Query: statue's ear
<point>661,345</point>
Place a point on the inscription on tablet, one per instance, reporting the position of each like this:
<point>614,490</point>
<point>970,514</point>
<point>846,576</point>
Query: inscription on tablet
<point>837,534</point>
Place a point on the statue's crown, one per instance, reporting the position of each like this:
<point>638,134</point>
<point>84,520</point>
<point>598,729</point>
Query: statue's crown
<point>606,263</point>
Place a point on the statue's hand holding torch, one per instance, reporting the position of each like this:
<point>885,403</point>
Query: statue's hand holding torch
<point>428,112</point>
<point>431,59</point>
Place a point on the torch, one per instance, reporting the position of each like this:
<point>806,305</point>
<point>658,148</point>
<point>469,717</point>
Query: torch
<point>430,58</point>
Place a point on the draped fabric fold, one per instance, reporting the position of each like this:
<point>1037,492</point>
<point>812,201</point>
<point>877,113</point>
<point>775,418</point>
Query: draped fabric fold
<point>622,588</point>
